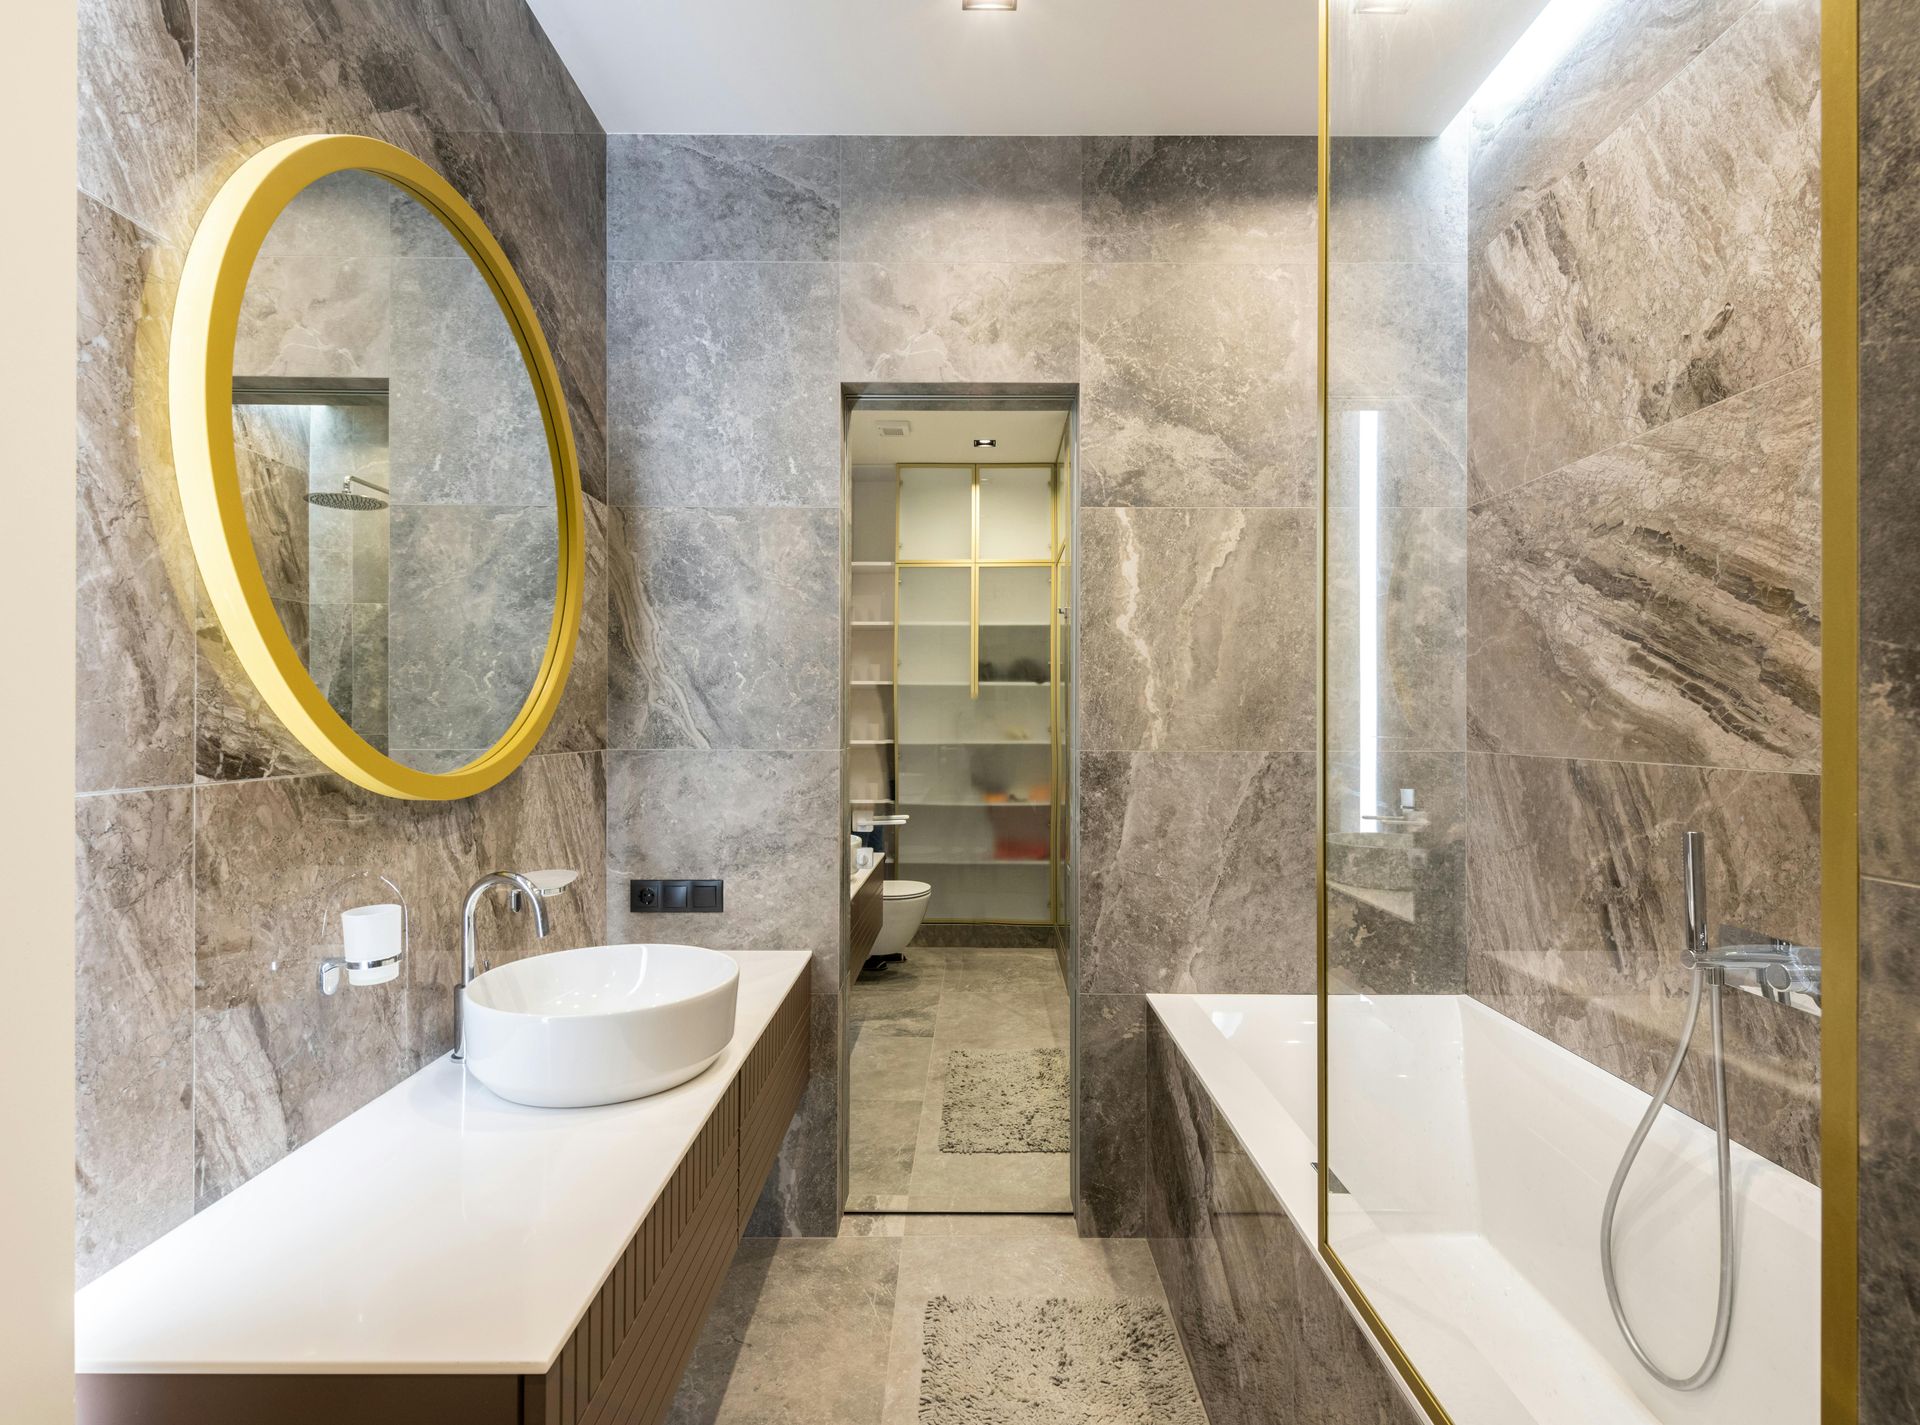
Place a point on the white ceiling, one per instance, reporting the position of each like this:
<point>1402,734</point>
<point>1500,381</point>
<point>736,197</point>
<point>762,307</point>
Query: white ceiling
<point>946,437</point>
<point>1051,67</point>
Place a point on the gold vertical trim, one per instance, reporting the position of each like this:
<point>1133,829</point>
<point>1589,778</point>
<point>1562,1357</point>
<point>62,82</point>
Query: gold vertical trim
<point>1839,711</point>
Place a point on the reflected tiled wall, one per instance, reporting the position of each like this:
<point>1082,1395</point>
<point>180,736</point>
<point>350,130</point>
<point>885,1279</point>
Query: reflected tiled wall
<point>1174,280</point>
<point>1889,1039</point>
<point>1643,538</point>
<point>205,1050</point>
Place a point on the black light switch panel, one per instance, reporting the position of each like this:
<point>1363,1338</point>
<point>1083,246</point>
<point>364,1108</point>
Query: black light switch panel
<point>649,897</point>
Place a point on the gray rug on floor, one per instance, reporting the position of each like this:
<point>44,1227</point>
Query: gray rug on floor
<point>1005,1101</point>
<point>988,1360</point>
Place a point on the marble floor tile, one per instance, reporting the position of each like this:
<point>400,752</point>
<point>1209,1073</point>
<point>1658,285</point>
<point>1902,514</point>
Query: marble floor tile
<point>811,1331</point>
<point>798,1336</point>
<point>889,1067</point>
<point>882,1139</point>
<point>1002,1267</point>
<point>963,999</point>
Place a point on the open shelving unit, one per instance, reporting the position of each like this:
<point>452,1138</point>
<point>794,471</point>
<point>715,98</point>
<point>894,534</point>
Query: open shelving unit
<point>975,755</point>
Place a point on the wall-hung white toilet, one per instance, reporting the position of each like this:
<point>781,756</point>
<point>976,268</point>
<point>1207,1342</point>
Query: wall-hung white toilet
<point>903,907</point>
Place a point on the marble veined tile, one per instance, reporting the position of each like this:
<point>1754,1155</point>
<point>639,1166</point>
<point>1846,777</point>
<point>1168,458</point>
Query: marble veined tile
<point>1198,385</point>
<point>1659,601</point>
<point>1889,1150</point>
<point>133,936</point>
<point>1400,199</point>
<point>727,629</point>
<point>136,110</point>
<point>722,376</point>
<point>981,322</point>
<point>1199,199</point>
<point>1197,872</point>
<point>135,596</point>
<point>1889,610</point>
<point>1526,136</point>
<point>1574,913</point>
<point>1197,629</point>
<point>472,603</point>
<point>1889,155</point>
<point>960,199</point>
<point>1110,1089</point>
<point>1676,265</point>
<point>766,821</point>
<point>726,197</point>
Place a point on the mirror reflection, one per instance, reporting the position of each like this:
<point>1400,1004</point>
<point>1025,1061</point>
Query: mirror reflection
<point>394,466</point>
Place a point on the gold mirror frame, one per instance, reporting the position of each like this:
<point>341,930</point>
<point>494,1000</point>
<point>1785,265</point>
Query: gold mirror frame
<point>206,321</point>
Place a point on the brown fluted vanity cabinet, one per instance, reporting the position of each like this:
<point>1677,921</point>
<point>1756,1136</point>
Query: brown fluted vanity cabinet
<point>623,1361</point>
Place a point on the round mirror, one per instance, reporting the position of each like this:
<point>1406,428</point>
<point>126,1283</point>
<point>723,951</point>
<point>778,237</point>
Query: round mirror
<point>376,466</point>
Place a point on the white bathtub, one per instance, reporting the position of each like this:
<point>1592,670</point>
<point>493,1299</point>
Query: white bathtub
<point>1482,1154</point>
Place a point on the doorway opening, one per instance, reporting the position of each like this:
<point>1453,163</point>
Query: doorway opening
<point>958,676</point>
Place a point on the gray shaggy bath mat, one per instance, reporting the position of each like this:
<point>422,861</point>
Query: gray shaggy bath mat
<point>1000,1361</point>
<point>1005,1101</point>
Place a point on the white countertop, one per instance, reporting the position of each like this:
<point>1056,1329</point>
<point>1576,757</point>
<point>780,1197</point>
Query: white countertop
<point>861,876</point>
<point>438,1230</point>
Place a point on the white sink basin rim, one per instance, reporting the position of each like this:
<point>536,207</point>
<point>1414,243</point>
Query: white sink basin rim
<point>599,1025</point>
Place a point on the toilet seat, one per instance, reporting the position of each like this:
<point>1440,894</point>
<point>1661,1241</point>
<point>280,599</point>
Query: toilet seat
<point>905,890</point>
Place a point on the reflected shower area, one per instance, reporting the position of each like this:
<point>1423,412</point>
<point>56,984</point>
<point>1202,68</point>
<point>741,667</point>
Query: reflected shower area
<point>1572,704</point>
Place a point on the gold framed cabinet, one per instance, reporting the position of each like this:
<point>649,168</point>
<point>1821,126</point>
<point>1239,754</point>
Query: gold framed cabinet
<point>976,755</point>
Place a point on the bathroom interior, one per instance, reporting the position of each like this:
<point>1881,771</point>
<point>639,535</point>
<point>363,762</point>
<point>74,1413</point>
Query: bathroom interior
<point>980,711</point>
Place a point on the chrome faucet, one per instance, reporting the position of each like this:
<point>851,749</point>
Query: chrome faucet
<point>522,888</point>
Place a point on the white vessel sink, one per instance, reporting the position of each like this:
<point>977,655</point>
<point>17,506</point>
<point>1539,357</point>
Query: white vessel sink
<point>599,1025</point>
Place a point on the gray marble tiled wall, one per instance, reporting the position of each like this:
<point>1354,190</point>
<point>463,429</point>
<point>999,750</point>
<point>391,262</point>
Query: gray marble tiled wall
<point>207,846</point>
<point>1396,347</point>
<point>1643,536</point>
<point>1889,1035</point>
<point>1174,280</point>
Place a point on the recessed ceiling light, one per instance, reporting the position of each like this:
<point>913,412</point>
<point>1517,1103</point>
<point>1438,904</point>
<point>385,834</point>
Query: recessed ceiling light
<point>987,442</point>
<point>989,4</point>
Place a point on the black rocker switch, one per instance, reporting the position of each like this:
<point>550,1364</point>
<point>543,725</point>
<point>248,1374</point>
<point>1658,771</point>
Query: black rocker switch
<point>709,895</point>
<point>674,895</point>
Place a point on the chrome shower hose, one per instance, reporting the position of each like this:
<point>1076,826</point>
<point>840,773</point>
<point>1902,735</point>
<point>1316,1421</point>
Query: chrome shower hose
<point>1723,1311</point>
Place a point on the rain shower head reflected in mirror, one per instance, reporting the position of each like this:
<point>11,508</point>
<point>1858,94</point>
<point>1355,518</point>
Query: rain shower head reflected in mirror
<point>395,471</point>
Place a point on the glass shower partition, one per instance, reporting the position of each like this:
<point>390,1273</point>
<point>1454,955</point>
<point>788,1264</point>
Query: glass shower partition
<point>974,687</point>
<point>1571,616</point>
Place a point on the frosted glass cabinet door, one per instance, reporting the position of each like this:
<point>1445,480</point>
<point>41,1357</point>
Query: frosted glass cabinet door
<point>936,512</point>
<point>1016,512</point>
<point>935,631</point>
<point>1015,627</point>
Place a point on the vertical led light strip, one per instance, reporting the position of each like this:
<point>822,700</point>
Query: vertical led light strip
<point>1367,575</point>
